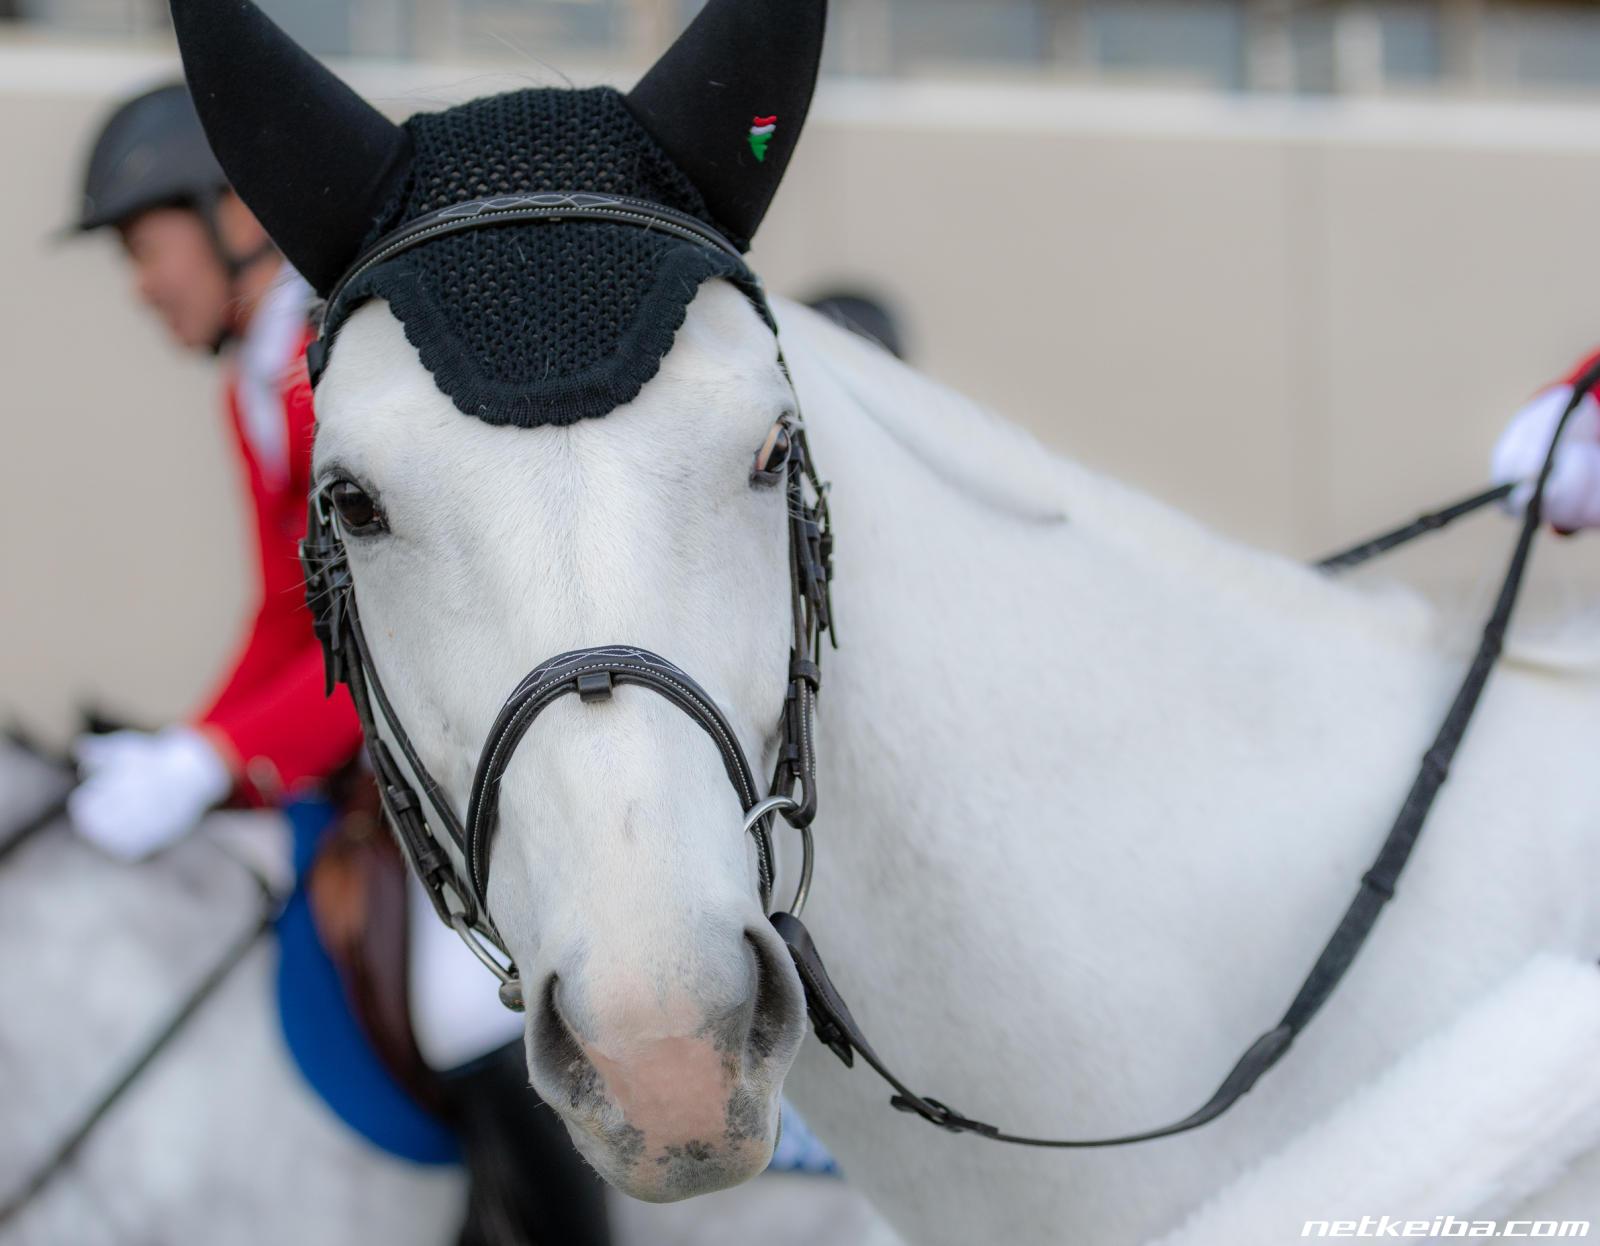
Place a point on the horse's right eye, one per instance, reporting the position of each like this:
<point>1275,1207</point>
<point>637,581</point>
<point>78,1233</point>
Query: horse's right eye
<point>358,512</point>
<point>773,457</point>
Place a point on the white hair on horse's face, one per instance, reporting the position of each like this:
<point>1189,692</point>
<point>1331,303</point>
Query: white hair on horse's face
<point>663,1012</point>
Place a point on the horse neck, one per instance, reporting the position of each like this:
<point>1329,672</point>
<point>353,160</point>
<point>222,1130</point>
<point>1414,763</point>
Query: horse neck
<point>961,538</point>
<point>1053,696</point>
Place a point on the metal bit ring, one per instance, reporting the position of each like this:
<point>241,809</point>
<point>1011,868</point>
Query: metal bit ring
<point>773,804</point>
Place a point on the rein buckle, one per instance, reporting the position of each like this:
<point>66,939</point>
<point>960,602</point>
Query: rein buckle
<point>936,1113</point>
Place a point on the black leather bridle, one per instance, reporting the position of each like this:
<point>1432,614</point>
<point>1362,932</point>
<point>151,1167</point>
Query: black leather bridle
<point>454,868</point>
<point>452,862</point>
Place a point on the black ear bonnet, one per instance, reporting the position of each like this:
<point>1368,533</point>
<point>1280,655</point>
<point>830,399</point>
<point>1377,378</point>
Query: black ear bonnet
<point>525,323</point>
<point>531,324</point>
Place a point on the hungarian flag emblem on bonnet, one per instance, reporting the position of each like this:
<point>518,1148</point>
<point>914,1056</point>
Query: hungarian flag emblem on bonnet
<point>761,135</point>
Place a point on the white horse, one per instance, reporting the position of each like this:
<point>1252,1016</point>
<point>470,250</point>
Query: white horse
<point>1096,784</point>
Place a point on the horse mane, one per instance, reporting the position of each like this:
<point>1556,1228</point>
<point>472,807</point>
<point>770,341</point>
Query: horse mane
<point>992,462</point>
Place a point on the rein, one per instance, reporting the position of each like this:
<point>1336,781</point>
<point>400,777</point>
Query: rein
<point>455,869</point>
<point>1433,521</point>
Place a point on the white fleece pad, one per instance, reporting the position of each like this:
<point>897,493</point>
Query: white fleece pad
<point>1477,1117</point>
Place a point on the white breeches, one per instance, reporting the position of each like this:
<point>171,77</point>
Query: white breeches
<point>456,1011</point>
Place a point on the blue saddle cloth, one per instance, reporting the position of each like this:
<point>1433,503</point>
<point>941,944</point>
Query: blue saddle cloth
<point>799,1150</point>
<point>323,1035</point>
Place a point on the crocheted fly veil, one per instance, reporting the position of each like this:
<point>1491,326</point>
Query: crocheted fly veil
<point>536,323</point>
<point>525,323</point>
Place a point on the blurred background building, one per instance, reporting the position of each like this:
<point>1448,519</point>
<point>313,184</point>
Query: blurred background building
<point>1477,46</point>
<point>1287,265</point>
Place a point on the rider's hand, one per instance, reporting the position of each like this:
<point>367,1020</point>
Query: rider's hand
<point>1572,496</point>
<point>141,792</point>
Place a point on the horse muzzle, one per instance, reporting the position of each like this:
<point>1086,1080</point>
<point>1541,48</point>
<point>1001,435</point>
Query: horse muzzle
<point>673,1092</point>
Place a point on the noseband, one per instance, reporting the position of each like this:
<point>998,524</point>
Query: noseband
<point>454,866</point>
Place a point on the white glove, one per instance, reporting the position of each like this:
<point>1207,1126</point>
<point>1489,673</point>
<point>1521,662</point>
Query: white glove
<point>141,792</point>
<point>1572,496</point>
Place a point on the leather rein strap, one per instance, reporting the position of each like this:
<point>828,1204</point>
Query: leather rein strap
<point>1433,521</point>
<point>455,872</point>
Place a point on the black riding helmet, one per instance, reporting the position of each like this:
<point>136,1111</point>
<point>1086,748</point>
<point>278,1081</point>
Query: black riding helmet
<point>151,153</point>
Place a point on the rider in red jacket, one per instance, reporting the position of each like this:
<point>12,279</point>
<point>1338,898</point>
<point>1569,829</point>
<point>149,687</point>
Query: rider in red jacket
<point>204,264</point>
<point>272,720</point>
<point>1572,496</point>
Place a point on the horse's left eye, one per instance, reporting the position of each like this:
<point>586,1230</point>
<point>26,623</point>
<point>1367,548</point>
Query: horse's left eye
<point>358,512</point>
<point>774,454</point>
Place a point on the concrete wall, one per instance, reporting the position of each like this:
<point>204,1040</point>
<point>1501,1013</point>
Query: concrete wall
<point>1297,321</point>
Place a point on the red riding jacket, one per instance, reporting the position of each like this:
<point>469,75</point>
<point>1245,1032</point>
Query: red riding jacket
<point>271,718</point>
<point>1571,378</point>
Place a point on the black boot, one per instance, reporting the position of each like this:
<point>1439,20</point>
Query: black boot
<point>527,1186</point>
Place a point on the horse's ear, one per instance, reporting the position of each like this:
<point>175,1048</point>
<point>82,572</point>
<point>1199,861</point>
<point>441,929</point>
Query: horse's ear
<point>313,161</point>
<point>728,101</point>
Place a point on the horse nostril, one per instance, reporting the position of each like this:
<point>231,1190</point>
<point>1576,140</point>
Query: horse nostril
<point>777,1005</point>
<point>555,1045</point>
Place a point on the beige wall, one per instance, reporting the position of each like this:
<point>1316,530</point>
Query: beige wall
<point>1299,322</point>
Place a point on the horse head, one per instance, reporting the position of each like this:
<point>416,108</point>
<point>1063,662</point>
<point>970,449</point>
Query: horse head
<point>549,433</point>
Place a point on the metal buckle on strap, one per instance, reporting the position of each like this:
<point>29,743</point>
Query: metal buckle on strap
<point>812,534</point>
<point>796,766</point>
<point>936,1113</point>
